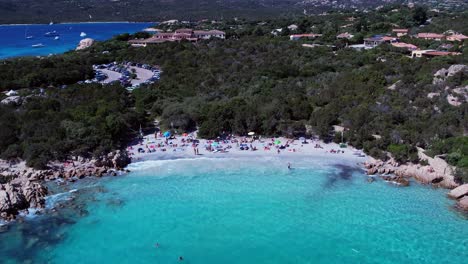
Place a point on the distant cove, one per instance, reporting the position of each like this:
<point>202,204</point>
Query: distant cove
<point>18,40</point>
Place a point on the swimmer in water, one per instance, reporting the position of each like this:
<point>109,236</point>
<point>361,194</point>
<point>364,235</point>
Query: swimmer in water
<point>289,165</point>
<point>156,245</point>
<point>181,258</point>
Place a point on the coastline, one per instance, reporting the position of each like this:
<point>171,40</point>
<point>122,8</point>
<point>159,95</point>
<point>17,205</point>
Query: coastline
<point>155,149</point>
<point>25,188</point>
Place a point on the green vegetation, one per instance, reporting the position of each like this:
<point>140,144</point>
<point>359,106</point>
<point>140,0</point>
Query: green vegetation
<point>253,81</point>
<point>29,11</point>
<point>455,151</point>
<point>89,120</point>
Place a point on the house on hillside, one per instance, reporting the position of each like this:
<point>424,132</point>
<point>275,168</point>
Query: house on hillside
<point>400,32</point>
<point>308,36</point>
<point>345,35</point>
<point>432,53</point>
<point>203,34</point>
<point>375,41</point>
<point>292,27</point>
<point>457,37</point>
<point>403,45</point>
<point>277,31</point>
<point>430,36</point>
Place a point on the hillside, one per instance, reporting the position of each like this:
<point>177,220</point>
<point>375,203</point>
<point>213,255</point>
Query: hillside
<point>254,81</point>
<point>29,11</point>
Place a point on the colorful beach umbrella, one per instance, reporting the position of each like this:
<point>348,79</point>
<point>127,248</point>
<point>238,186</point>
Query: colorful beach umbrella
<point>277,142</point>
<point>215,144</point>
<point>251,133</point>
<point>167,134</point>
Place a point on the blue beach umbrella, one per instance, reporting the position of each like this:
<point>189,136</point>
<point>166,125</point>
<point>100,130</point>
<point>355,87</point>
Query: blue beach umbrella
<point>215,144</point>
<point>167,134</point>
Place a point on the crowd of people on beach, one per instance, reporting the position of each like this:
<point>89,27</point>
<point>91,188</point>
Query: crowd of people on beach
<point>166,142</point>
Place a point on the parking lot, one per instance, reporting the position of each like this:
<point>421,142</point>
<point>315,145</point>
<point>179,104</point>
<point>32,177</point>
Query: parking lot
<point>128,74</point>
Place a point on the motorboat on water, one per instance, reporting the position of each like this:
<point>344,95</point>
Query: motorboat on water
<point>83,34</point>
<point>39,45</point>
<point>57,38</point>
<point>29,37</point>
<point>51,34</point>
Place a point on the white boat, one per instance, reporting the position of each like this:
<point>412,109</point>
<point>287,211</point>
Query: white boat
<point>51,23</point>
<point>26,36</point>
<point>39,45</point>
<point>83,34</point>
<point>57,38</point>
<point>51,34</point>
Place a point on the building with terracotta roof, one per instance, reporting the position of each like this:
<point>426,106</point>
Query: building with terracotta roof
<point>178,35</point>
<point>432,53</point>
<point>184,31</point>
<point>404,46</point>
<point>457,37</point>
<point>345,35</point>
<point>375,41</point>
<point>431,36</point>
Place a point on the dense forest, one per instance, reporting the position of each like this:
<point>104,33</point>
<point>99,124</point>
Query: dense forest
<point>89,120</point>
<point>252,81</point>
<point>44,11</point>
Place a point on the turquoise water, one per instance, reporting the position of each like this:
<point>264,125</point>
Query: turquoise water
<point>13,41</point>
<point>243,210</point>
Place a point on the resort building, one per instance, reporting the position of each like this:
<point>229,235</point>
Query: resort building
<point>400,32</point>
<point>299,36</point>
<point>457,37</point>
<point>179,35</point>
<point>430,36</point>
<point>345,35</point>
<point>431,53</point>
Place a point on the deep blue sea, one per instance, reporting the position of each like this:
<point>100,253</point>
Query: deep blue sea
<point>13,41</point>
<point>241,210</point>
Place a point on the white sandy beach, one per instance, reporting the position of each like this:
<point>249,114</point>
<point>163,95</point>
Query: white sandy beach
<point>182,146</point>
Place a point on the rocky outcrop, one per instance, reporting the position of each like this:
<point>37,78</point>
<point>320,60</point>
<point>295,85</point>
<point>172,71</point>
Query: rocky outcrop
<point>388,171</point>
<point>459,192</point>
<point>400,180</point>
<point>117,160</point>
<point>25,189</point>
<point>12,100</point>
<point>17,196</point>
<point>85,43</point>
<point>441,75</point>
<point>463,203</point>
